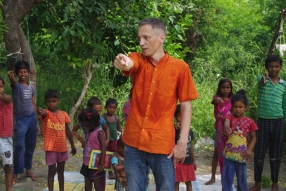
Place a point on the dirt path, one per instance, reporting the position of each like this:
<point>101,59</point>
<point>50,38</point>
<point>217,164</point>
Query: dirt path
<point>74,163</point>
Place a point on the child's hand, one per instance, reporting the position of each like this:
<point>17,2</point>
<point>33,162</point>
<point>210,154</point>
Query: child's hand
<point>264,81</point>
<point>100,168</point>
<point>73,151</point>
<point>11,74</point>
<point>195,165</point>
<point>218,100</point>
<point>227,131</point>
<point>76,135</point>
<point>248,153</point>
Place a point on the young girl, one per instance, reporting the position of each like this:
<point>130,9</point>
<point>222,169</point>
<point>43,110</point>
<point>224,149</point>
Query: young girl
<point>222,106</point>
<point>185,172</point>
<point>237,129</point>
<point>6,133</point>
<point>95,140</point>
<point>113,123</point>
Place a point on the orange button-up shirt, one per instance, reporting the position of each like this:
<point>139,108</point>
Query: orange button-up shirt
<point>155,94</point>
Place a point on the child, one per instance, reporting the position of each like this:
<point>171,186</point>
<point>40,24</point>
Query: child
<point>95,140</point>
<point>185,172</point>
<point>271,113</point>
<point>26,123</point>
<point>237,129</point>
<point>55,130</point>
<point>113,123</point>
<point>6,133</point>
<point>117,162</point>
<point>95,103</point>
<point>222,106</point>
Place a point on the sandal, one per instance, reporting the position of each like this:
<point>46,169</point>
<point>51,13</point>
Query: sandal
<point>14,181</point>
<point>32,176</point>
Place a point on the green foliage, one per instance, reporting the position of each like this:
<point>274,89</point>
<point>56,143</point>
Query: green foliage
<point>266,181</point>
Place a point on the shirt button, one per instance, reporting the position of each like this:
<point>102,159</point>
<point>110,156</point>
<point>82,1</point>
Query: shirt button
<point>151,94</point>
<point>148,105</point>
<point>153,81</point>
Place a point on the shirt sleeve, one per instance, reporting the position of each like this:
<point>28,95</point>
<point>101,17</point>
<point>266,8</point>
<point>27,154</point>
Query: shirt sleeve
<point>253,126</point>
<point>114,160</point>
<point>102,121</point>
<point>135,57</point>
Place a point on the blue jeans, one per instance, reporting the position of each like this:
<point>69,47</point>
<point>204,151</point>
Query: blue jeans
<point>136,169</point>
<point>25,134</point>
<point>229,169</point>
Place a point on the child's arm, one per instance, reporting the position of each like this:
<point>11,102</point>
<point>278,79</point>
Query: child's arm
<point>101,138</point>
<point>193,155</point>
<point>75,128</point>
<point>217,100</point>
<point>12,78</point>
<point>116,166</point>
<point>69,135</point>
<point>81,140</point>
<point>263,79</point>
<point>227,129</point>
<point>35,109</point>
<point>6,98</point>
<point>119,125</point>
<point>107,133</point>
<point>248,152</point>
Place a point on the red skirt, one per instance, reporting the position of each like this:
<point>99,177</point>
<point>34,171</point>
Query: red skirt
<point>185,173</point>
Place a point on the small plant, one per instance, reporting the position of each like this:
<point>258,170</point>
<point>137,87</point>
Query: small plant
<point>266,181</point>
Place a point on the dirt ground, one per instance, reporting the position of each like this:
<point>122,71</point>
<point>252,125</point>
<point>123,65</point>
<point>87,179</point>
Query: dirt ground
<point>203,158</point>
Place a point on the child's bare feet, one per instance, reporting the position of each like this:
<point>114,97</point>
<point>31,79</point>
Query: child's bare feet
<point>275,187</point>
<point>211,181</point>
<point>256,187</point>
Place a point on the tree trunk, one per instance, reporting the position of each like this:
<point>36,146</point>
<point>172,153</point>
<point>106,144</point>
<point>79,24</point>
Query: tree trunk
<point>278,32</point>
<point>17,47</point>
<point>87,77</point>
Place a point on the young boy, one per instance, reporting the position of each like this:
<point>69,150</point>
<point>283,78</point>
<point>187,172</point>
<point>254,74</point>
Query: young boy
<point>117,162</point>
<point>6,133</point>
<point>95,103</point>
<point>55,131</point>
<point>26,123</point>
<point>271,113</point>
<point>113,123</point>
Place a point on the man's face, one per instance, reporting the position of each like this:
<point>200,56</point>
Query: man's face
<point>150,40</point>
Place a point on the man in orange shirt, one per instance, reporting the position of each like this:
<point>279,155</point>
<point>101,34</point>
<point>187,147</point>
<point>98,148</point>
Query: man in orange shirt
<point>159,81</point>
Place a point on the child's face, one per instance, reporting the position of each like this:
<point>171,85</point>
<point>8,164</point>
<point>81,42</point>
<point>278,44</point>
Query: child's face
<point>178,117</point>
<point>120,151</point>
<point>273,69</point>
<point>238,108</point>
<point>225,89</point>
<point>111,109</point>
<point>1,87</point>
<point>52,104</point>
<point>98,108</point>
<point>23,75</point>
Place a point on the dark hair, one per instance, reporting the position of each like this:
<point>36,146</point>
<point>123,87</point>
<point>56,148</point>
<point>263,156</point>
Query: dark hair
<point>89,116</point>
<point>93,101</point>
<point>155,23</point>
<point>52,94</point>
<point>240,96</point>
<point>111,101</point>
<point>1,79</point>
<point>22,65</point>
<point>220,83</point>
<point>120,142</point>
<point>273,58</point>
<point>178,110</point>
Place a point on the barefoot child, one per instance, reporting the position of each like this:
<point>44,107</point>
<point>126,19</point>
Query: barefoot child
<point>222,105</point>
<point>185,172</point>
<point>6,133</point>
<point>95,140</point>
<point>95,103</point>
<point>236,152</point>
<point>26,122</point>
<point>113,123</point>
<point>271,121</point>
<point>55,130</point>
<point>117,162</point>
